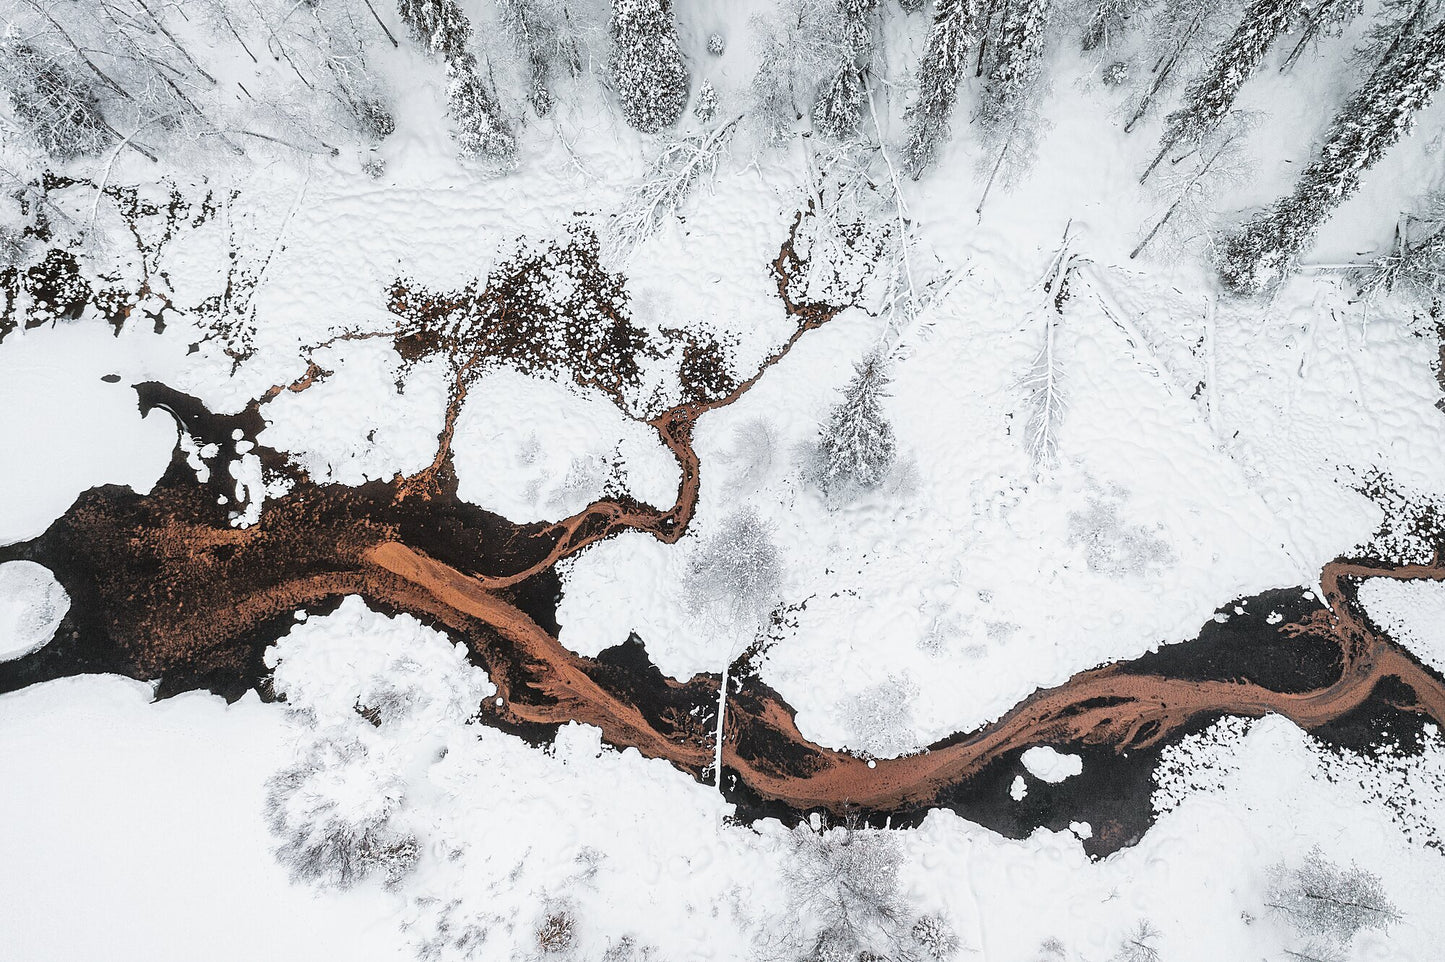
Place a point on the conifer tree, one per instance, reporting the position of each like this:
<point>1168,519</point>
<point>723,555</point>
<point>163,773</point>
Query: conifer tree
<point>439,25</point>
<point>1370,122</point>
<point>857,443</point>
<point>647,69</point>
<point>954,32</point>
<point>1210,97</point>
<point>838,108</point>
<point>482,132</point>
<point>1006,113</point>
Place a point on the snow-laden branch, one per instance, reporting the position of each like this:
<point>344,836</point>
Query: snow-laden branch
<point>676,171</point>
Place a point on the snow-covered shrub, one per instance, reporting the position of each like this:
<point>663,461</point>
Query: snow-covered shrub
<point>1112,546</point>
<point>880,718</point>
<point>333,813</point>
<point>737,572</point>
<point>935,937</point>
<point>57,108</point>
<point>1138,945</point>
<point>646,66</point>
<point>1321,899</point>
<point>856,446</point>
<point>716,45</point>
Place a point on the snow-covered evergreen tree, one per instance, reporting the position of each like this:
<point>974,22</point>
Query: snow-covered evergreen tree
<point>1007,114</point>
<point>1370,122</point>
<point>646,67</point>
<point>954,32</point>
<point>1209,98</point>
<point>858,446</point>
<point>439,25</point>
<point>838,107</point>
<point>481,130</point>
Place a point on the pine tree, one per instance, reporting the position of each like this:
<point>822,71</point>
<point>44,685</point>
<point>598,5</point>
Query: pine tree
<point>482,131</point>
<point>857,444</point>
<point>647,69</point>
<point>1370,122</point>
<point>439,25</point>
<point>954,32</point>
<point>1006,113</point>
<point>838,107</point>
<point>1210,97</point>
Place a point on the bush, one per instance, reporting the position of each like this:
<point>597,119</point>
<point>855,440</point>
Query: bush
<point>333,815</point>
<point>736,572</point>
<point>1323,900</point>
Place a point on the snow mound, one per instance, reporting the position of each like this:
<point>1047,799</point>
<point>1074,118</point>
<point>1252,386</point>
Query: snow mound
<point>1050,765</point>
<point>1413,612</point>
<point>32,604</point>
<point>356,660</point>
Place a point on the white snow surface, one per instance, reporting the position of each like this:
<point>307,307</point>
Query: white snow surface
<point>1050,764</point>
<point>1413,612</point>
<point>32,604</point>
<point>1211,449</point>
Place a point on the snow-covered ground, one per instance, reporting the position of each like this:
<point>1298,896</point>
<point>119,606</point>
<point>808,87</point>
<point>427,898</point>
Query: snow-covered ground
<point>1211,449</point>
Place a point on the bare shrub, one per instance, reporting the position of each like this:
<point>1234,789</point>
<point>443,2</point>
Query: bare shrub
<point>846,880</point>
<point>753,453</point>
<point>334,817</point>
<point>881,718</point>
<point>1111,545</point>
<point>557,932</point>
<point>1330,903</point>
<point>1138,945</point>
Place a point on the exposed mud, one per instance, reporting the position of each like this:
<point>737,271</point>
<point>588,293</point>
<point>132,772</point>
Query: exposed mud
<point>165,587</point>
